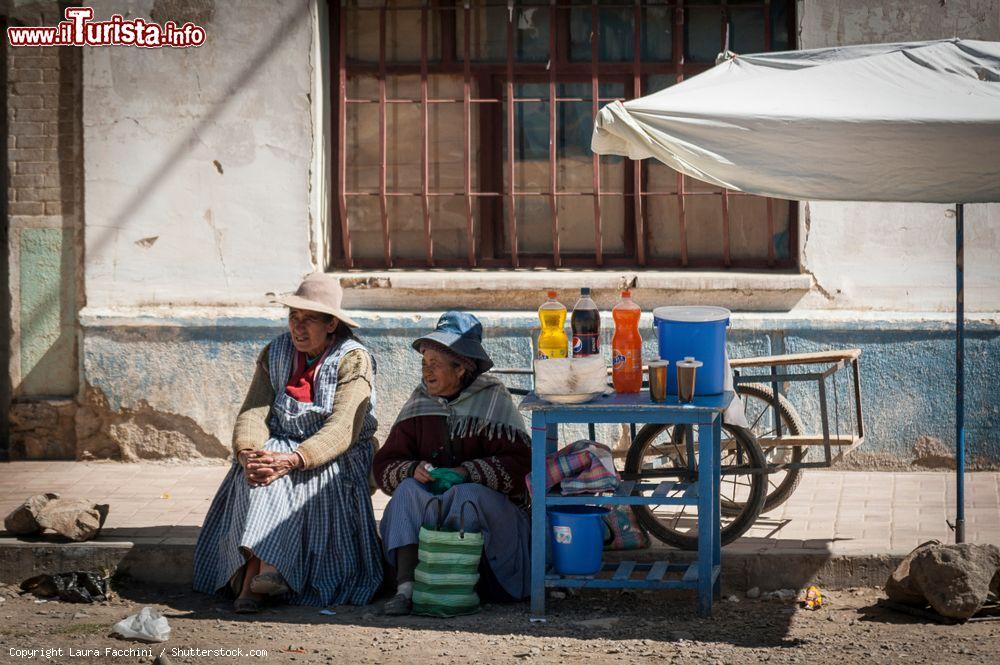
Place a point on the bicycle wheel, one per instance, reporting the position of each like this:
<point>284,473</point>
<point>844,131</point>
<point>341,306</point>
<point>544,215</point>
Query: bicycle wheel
<point>757,401</point>
<point>655,454</point>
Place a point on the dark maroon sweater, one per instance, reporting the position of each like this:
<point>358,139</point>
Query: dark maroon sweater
<point>498,463</point>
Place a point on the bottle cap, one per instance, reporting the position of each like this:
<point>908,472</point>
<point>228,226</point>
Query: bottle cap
<point>552,295</point>
<point>626,294</point>
<point>585,291</point>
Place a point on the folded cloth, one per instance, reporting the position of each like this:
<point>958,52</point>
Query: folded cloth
<point>582,467</point>
<point>735,414</point>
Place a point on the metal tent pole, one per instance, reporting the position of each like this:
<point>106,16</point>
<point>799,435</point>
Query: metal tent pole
<point>960,372</point>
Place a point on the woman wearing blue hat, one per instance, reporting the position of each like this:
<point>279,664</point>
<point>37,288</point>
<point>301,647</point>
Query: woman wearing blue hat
<point>460,436</point>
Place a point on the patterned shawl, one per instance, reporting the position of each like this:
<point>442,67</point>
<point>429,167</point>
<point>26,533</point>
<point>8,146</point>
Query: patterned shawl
<point>484,407</point>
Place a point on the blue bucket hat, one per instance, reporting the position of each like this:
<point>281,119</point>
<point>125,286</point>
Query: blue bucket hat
<point>462,333</point>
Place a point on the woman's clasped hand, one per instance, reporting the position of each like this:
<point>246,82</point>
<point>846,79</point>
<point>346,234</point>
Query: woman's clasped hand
<point>263,467</point>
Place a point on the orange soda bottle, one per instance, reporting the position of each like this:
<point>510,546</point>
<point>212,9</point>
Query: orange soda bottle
<point>626,346</point>
<point>553,342</point>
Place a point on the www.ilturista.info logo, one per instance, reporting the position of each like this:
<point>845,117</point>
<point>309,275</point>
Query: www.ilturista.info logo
<point>80,30</point>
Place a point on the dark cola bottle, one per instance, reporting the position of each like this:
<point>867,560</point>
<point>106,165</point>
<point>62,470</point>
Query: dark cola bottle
<point>586,321</point>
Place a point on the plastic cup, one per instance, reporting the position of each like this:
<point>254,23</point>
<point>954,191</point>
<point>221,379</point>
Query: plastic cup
<point>658,380</point>
<point>687,371</point>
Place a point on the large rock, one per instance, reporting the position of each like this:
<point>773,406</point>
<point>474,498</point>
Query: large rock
<point>23,520</point>
<point>901,587</point>
<point>76,519</point>
<point>955,579</point>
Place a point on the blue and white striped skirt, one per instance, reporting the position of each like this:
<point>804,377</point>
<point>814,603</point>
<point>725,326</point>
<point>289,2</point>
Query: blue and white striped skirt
<point>316,526</point>
<point>506,529</point>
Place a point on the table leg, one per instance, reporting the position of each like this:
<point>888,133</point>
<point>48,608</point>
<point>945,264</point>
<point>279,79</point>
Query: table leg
<point>717,502</point>
<point>689,448</point>
<point>538,531</point>
<point>706,519</point>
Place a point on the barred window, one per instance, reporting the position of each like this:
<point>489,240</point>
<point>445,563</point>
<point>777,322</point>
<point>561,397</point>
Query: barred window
<point>443,115</point>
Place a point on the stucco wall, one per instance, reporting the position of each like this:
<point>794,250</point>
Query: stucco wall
<point>201,172</point>
<point>839,22</point>
<point>198,160</point>
<point>176,390</point>
<point>210,202</point>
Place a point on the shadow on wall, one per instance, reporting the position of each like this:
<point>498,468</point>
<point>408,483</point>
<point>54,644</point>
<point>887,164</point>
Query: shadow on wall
<point>42,251</point>
<point>297,13</point>
<point>47,266</point>
<point>48,352</point>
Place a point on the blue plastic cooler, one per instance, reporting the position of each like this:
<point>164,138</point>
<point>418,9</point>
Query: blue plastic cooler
<point>699,332</point>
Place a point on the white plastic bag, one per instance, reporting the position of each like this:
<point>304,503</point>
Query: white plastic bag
<point>148,625</point>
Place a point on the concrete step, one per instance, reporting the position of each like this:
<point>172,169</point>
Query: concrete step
<point>170,561</point>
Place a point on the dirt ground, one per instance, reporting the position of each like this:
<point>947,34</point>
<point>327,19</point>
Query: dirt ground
<point>598,627</point>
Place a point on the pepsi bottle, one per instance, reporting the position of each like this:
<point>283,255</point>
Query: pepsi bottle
<point>586,322</point>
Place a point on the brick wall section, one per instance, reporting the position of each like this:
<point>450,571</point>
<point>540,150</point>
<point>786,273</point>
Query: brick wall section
<point>45,197</point>
<point>44,125</point>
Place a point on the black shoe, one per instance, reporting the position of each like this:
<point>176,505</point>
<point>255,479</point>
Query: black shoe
<point>397,606</point>
<point>246,606</point>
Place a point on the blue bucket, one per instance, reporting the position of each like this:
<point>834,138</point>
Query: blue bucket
<point>698,332</point>
<point>577,535</point>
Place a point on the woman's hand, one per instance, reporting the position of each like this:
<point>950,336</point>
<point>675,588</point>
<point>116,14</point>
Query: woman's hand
<point>422,474</point>
<point>268,467</point>
<point>245,457</point>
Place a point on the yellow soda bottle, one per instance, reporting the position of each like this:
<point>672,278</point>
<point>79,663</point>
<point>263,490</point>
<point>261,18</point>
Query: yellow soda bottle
<point>553,342</point>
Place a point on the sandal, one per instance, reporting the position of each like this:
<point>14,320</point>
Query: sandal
<point>397,606</point>
<point>246,606</point>
<point>269,584</point>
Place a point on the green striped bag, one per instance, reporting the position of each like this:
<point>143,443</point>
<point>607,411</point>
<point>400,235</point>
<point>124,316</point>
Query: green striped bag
<point>447,568</point>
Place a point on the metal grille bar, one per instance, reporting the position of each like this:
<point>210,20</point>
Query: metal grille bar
<point>640,225</point>
<point>382,141</point>
<point>553,203</point>
<point>425,152</point>
<point>345,228</point>
<point>595,158</point>
<point>467,129</point>
<point>511,212</point>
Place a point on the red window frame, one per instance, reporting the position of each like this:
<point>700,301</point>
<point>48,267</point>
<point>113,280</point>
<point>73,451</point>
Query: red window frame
<point>488,246</point>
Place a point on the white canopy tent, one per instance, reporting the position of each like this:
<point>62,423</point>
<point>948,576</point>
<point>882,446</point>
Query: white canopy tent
<point>916,121</point>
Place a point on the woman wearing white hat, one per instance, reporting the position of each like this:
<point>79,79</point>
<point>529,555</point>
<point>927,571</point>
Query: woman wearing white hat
<point>293,519</point>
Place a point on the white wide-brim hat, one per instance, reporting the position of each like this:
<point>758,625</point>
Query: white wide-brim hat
<point>319,292</point>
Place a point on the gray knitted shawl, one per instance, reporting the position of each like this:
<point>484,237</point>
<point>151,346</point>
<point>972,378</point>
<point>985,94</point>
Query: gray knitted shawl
<point>484,407</point>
